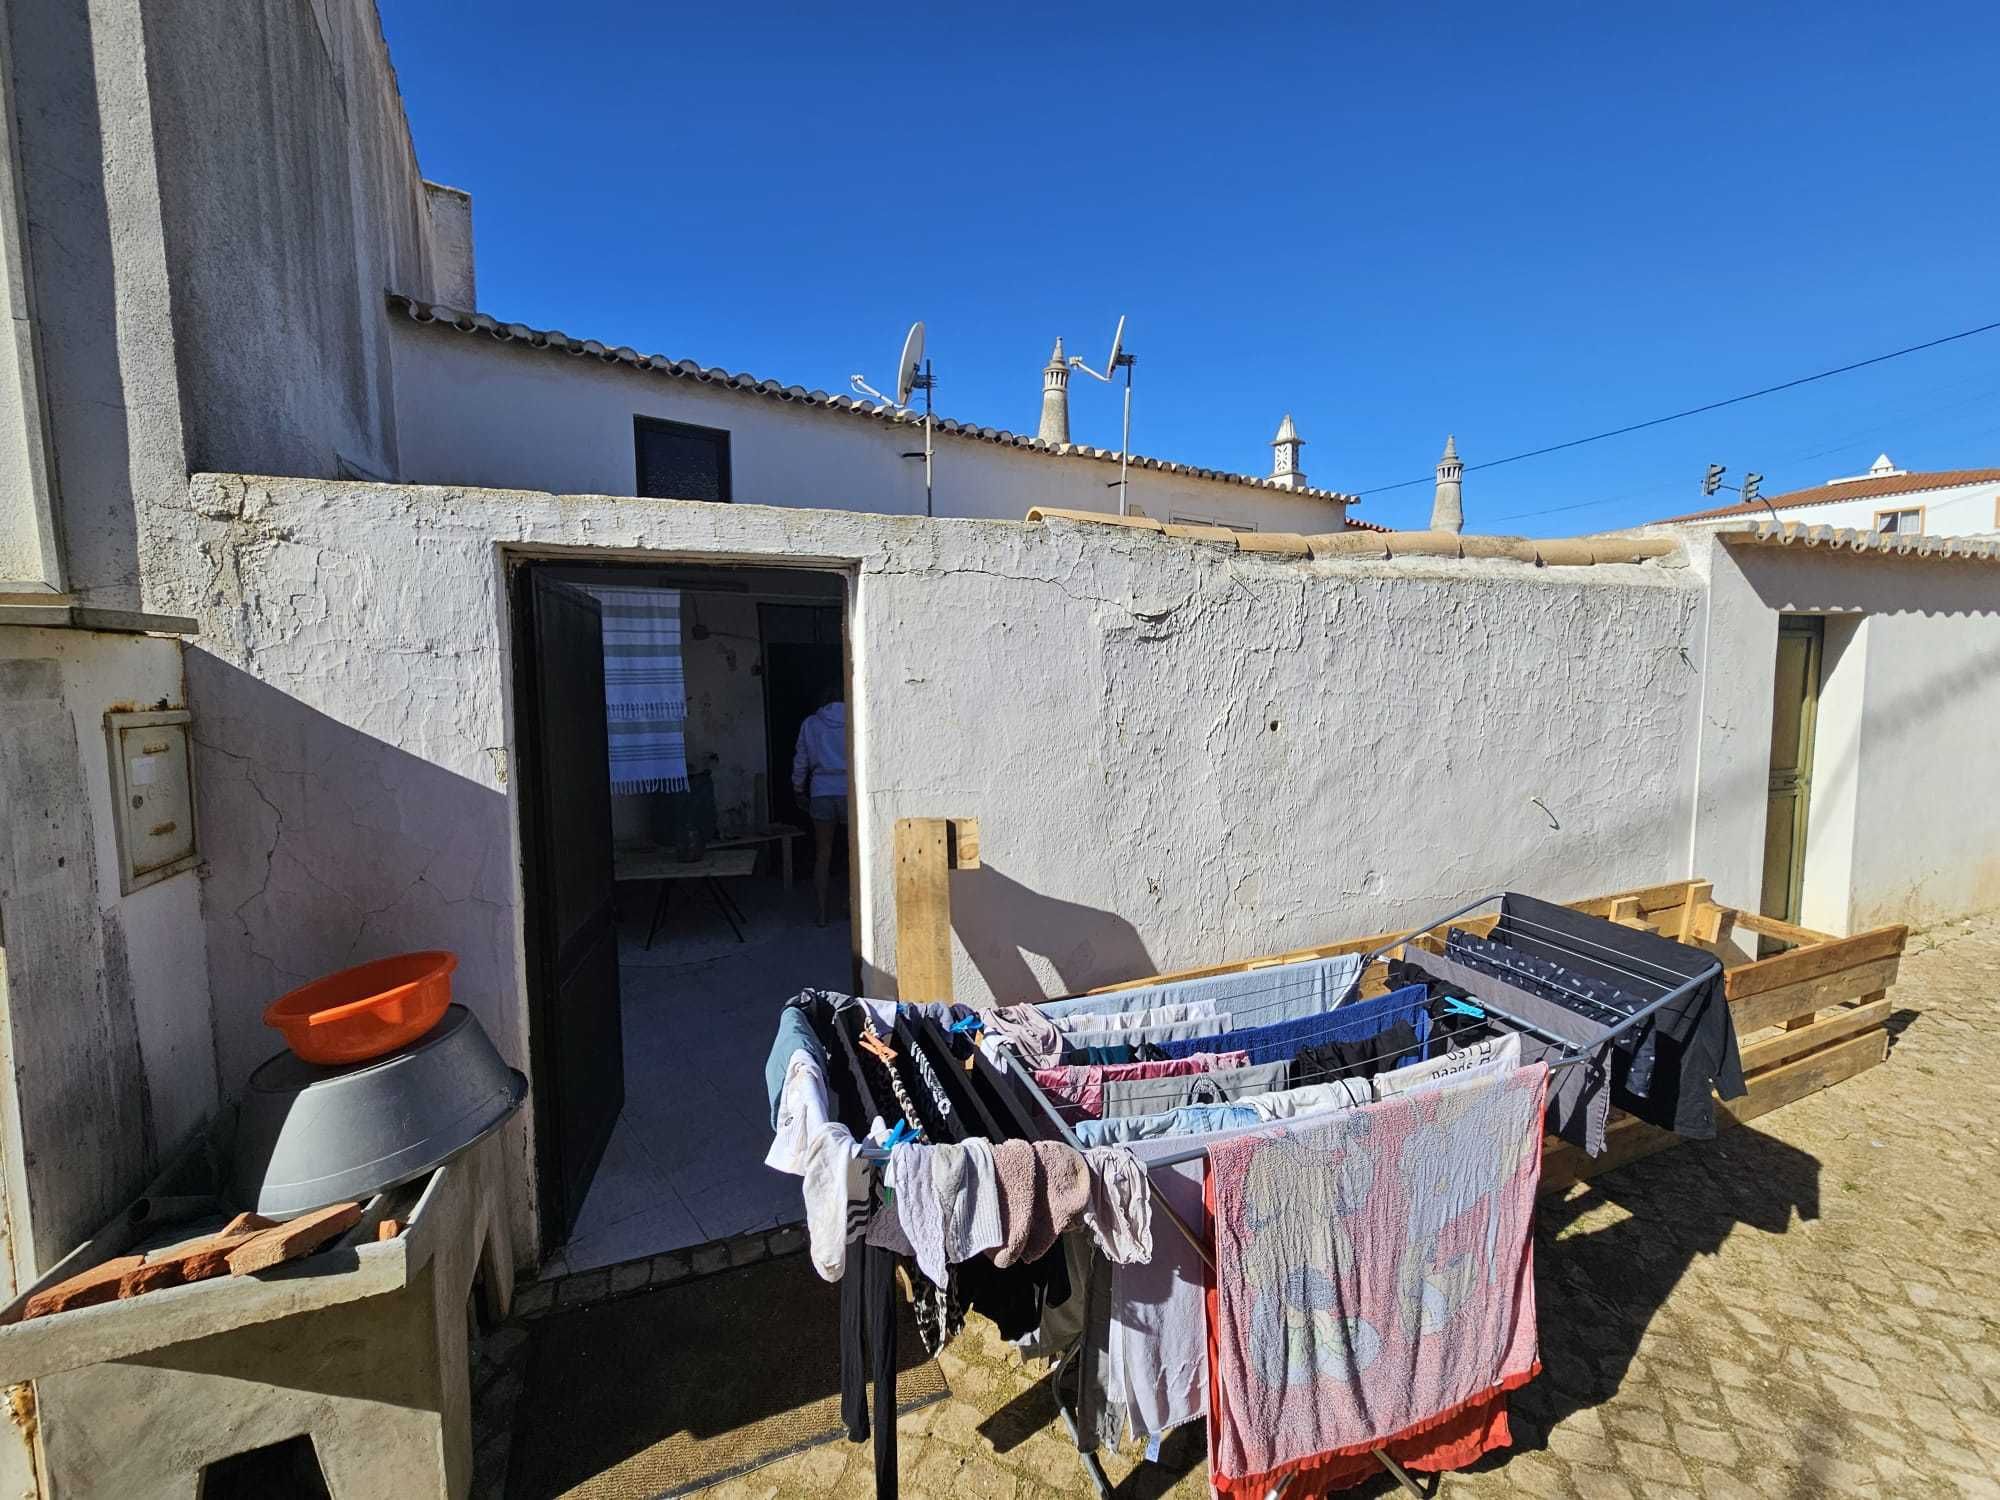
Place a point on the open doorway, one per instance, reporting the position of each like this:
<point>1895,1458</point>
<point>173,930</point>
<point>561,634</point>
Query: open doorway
<point>669,883</point>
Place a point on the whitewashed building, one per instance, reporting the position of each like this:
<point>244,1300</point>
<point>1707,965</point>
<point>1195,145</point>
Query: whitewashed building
<point>1945,502</point>
<point>245,485</point>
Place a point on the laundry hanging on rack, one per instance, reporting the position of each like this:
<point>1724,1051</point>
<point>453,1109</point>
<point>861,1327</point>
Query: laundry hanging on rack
<point>1081,1091</point>
<point>1281,1040</point>
<point>1160,1018</point>
<point>1373,1280</point>
<point>1276,991</point>
<point>1579,1102</point>
<point>1669,1068</point>
<point>1149,1371</point>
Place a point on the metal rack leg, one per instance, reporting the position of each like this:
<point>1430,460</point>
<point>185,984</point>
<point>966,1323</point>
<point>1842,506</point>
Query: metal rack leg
<point>722,904</point>
<point>659,910</point>
<point>1087,1457</point>
<point>1401,1475</point>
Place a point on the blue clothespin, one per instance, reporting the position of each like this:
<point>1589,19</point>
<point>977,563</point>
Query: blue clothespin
<point>967,1023</point>
<point>901,1133</point>
<point>1453,1006</point>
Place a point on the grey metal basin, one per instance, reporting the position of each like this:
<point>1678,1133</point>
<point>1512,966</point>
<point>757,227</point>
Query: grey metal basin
<point>309,1135</point>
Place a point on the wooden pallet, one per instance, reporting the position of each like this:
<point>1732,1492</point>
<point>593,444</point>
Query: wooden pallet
<point>1808,1017</point>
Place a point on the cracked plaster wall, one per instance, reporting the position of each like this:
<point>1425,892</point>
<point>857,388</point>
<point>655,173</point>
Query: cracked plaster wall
<point>1104,702</point>
<point>104,1022</point>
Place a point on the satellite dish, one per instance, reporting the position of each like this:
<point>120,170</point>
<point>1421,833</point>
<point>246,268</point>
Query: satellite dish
<point>912,363</point>
<point>1108,374</point>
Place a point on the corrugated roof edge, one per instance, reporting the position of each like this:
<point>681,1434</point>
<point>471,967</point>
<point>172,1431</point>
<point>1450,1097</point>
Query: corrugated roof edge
<point>1540,552</point>
<point>686,369</point>
<point>1879,543</point>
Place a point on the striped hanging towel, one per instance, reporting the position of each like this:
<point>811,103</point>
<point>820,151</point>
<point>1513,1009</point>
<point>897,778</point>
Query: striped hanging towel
<point>645,689</point>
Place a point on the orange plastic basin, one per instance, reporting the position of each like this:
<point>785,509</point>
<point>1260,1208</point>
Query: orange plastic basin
<point>365,1011</point>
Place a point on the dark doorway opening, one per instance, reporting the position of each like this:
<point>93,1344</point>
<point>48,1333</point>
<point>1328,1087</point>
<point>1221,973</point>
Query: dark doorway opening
<point>802,655</point>
<point>670,909</point>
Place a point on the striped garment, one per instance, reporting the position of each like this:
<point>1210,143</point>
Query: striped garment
<point>645,689</point>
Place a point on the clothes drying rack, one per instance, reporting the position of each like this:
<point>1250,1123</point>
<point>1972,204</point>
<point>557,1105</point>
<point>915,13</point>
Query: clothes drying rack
<point>1670,987</point>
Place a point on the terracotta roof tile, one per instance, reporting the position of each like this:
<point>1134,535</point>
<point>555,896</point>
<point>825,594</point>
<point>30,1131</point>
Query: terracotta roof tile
<point>1848,539</point>
<point>682,369</point>
<point>1849,489</point>
<point>1378,542</point>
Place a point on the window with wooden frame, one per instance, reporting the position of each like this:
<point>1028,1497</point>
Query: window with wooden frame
<point>677,461</point>
<point>1910,521</point>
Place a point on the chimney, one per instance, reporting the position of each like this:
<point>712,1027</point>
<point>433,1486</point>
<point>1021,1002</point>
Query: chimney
<point>1055,398</point>
<point>1285,447</point>
<point>1448,507</point>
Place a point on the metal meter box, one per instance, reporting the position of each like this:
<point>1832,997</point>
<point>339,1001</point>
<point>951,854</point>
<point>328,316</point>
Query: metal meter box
<point>152,791</point>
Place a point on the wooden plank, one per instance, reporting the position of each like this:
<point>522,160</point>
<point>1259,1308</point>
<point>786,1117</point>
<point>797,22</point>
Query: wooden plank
<point>1700,895</point>
<point>85,1289</point>
<point>1651,898</point>
<point>292,1239</point>
<point>1775,1007</point>
<point>1810,963</point>
<point>962,842</point>
<point>1627,1139</point>
<point>1832,1026</point>
<point>1789,932</point>
<point>923,909</point>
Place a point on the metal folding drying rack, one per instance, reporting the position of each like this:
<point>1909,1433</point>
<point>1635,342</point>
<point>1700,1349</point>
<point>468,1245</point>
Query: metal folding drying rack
<point>1552,941</point>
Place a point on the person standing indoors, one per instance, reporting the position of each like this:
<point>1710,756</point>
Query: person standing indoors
<point>819,780</point>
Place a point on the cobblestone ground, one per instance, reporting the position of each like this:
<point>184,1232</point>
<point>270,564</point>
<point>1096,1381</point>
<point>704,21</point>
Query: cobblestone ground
<point>1809,1305</point>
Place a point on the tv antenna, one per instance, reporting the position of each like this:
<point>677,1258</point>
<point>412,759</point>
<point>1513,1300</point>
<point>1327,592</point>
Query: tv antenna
<point>1119,358</point>
<point>913,373</point>
<point>1751,489</point>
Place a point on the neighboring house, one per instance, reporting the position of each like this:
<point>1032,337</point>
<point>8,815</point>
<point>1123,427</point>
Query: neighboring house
<point>480,401</point>
<point>1943,502</point>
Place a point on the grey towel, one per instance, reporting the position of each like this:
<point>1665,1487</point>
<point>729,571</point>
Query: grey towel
<point>1044,1189</point>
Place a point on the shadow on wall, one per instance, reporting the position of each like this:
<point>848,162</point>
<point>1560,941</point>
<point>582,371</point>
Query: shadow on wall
<point>999,921</point>
<point>325,847</point>
<point>93,385</point>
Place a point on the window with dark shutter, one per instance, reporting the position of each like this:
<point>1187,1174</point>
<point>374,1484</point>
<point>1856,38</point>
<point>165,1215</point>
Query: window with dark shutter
<point>680,462</point>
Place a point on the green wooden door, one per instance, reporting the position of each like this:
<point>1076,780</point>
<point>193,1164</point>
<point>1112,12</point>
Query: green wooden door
<point>1794,709</point>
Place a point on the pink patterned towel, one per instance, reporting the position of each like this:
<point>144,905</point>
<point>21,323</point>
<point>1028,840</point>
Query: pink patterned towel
<point>1374,1274</point>
<point>1082,1085</point>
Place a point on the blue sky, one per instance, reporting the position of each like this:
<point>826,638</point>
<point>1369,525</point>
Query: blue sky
<point>1519,224</point>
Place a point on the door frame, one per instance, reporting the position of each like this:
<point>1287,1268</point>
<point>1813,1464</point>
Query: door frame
<point>517,571</point>
<point>538,962</point>
<point>1812,630</point>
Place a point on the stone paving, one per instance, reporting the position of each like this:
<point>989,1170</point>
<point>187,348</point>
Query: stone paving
<point>1807,1306</point>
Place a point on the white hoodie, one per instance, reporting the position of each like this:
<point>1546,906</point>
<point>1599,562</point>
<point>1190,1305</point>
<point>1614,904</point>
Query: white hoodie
<point>823,753</point>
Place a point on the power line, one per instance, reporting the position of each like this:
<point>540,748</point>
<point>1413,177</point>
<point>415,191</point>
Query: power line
<point>1695,411</point>
<point>1866,436</point>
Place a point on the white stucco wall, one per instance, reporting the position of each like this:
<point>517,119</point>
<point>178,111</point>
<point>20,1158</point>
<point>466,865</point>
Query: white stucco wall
<point>1902,825</point>
<point>103,996</point>
<point>1964,510</point>
<point>1103,700</point>
<point>473,411</point>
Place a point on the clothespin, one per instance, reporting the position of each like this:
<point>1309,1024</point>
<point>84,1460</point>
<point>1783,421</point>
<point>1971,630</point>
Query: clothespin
<point>876,1045</point>
<point>900,1134</point>
<point>1453,1006</point>
<point>964,1024</point>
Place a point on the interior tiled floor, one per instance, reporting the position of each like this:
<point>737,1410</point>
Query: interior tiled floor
<point>686,1162</point>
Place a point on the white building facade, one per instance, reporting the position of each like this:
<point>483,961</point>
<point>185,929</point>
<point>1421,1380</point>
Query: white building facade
<point>1949,502</point>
